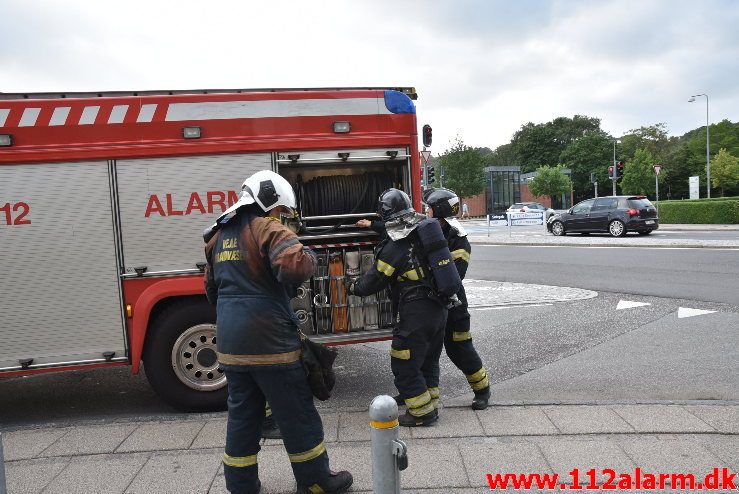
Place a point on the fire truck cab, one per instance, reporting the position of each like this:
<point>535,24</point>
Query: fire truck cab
<point>104,198</point>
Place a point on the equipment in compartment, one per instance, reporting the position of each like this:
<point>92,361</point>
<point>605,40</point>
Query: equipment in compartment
<point>301,304</point>
<point>337,194</point>
<point>339,321</point>
<point>321,301</point>
<point>356,314</point>
<point>369,303</point>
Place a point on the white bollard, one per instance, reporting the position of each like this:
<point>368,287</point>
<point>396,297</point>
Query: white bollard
<point>389,454</point>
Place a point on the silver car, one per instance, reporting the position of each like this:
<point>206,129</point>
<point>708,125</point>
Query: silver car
<point>527,207</point>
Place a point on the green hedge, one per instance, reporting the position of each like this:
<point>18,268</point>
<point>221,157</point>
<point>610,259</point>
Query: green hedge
<point>702,211</point>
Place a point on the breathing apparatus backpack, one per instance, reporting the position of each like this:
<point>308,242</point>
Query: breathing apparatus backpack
<point>433,251</point>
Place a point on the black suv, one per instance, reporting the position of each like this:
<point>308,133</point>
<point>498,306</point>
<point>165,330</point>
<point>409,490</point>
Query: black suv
<point>614,214</point>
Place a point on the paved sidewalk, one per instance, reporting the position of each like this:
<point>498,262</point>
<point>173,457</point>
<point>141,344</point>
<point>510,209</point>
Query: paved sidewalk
<point>183,456</point>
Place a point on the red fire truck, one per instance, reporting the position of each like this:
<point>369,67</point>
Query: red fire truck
<point>104,197</point>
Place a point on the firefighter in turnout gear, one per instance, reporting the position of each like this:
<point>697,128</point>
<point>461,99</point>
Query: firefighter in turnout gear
<point>443,204</point>
<point>419,331</point>
<point>253,264</point>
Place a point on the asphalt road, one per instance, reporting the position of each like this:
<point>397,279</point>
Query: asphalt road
<point>586,351</point>
<point>710,275</point>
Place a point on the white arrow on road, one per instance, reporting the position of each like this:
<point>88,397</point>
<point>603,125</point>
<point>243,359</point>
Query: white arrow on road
<point>687,312</point>
<point>627,304</point>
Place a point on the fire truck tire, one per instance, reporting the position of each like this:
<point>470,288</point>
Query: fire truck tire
<point>180,358</point>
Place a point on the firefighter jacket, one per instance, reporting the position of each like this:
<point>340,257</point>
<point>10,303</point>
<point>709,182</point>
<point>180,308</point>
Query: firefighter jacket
<point>460,249</point>
<point>253,264</point>
<point>396,266</point>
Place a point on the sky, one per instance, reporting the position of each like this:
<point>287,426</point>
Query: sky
<point>482,68</point>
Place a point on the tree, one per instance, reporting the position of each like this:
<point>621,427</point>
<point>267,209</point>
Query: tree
<point>535,145</point>
<point>463,169</point>
<point>591,152</point>
<point>550,181</point>
<point>724,171</point>
<point>638,174</point>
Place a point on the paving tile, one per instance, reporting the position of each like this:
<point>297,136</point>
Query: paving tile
<point>23,445</point>
<point>331,427</point>
<point>564,455</point>
<point>212,435</point>
<point>354,426</point>
<point>357,459</point>
<point>668,456</point>
<point>724,447</point>
<point>90,440</point>
<point>432,465</point>
<point>586,420</point>
<point>161,436</point>
<point>31,476</point>
<point>723,418</point>
<point>507,421</point>
<point>96,474</point>
<point>661,419</point>
<point>481,459</point>
<point>274,472</point>
<point>452,423</point>
<point>177,473</point>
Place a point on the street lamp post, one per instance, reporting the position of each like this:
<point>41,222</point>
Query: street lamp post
<point>708,147</point>
<point>613,181</point>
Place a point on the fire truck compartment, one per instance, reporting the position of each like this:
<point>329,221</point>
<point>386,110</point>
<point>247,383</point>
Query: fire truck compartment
<point>59,287</point>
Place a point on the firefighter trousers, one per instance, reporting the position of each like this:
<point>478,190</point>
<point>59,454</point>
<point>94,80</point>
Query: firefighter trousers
<point>418,340</point>
<point>459,347</point>
<point>286,388</point>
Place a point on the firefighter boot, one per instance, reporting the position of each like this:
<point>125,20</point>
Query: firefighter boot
<point>337,483</point>
<point>270,429</point>
<point>408,420</point>
<point>480,401</point>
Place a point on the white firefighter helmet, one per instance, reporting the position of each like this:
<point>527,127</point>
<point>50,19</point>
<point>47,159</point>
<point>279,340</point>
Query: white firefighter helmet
<point>265,188</point>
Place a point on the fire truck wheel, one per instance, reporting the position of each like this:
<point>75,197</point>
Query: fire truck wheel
<point>180,358</point>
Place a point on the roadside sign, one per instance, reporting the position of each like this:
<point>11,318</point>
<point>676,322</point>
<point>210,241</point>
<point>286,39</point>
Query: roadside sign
<point>497,220</point>
<point>532,218</point>
<point>425,155</point>
<point>693,185</point>
<point>657,169</point>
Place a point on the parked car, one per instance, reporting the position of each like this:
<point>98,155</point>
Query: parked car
<point>616,215</point>
<point>531,207</point>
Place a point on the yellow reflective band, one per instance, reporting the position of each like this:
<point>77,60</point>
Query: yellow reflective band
<point>411,275</point>
<point>418,401</point>
<point>385,268</point>
<point>418,412</point>
<point>308,455</point>
<point>435,403</point>
<point>461,254</point>
<point>461,336</point>
<point>434,392</point>
<point>477,376</point>
<point>480,384</point>
<point>267,410</point>
<point>400,354</point>
<point>273,358</point>
<point>316,489</point>
<point>384,425</point>
<point>239,461</point>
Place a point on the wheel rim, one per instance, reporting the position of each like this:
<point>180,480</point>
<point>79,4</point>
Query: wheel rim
<point>195,361</point>
<point>617,228</point>
<point>557,228</point>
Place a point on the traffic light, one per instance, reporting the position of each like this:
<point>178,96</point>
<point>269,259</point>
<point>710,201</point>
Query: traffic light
<point>619,169</point>
<point>430,174</point>
<point>610,173</point>
<point>426,135</point>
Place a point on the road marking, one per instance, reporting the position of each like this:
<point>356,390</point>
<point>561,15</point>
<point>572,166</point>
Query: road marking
<point>627,304</point>
<point>688,312</point>
<point>509,306</point>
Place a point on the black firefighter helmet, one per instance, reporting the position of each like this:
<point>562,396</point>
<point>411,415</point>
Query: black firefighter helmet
<point>394,204</point>
<point>443,202</point>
